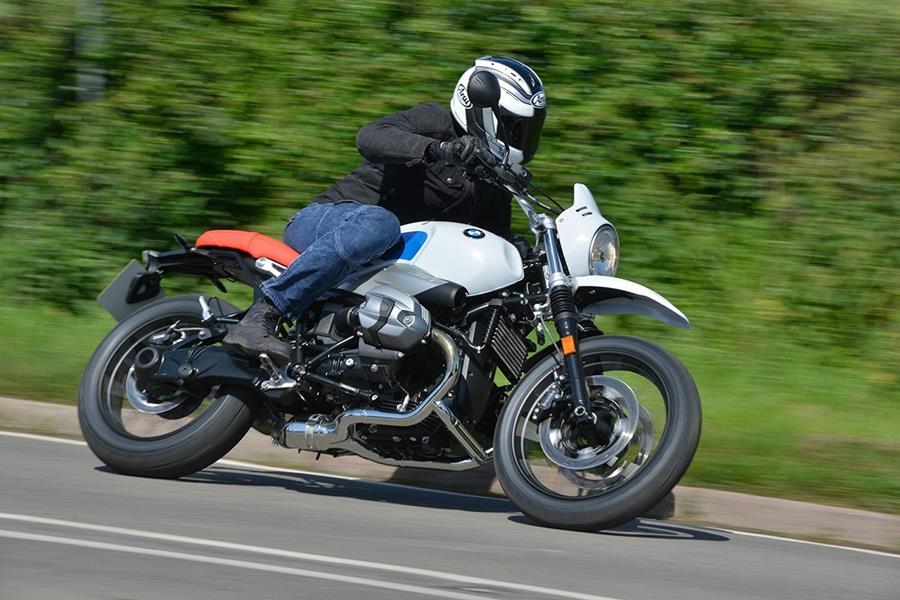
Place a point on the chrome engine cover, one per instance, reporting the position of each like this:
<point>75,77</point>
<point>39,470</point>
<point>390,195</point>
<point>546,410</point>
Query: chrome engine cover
<point>391,319</point>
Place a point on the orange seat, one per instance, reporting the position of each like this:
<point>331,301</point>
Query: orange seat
<point>255,244</point>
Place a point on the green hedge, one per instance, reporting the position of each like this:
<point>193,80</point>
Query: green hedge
<point>745,149</point>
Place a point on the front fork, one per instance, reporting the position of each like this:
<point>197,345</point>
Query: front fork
<point>565,316</point>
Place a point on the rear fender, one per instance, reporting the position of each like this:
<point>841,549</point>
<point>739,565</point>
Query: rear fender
<point>599,295</point>
<point>138,286</point>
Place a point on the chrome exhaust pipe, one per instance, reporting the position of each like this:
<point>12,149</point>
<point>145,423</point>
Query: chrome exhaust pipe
<point>320,436</point>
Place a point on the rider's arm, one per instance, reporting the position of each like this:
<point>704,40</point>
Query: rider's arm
<point>403,137</point>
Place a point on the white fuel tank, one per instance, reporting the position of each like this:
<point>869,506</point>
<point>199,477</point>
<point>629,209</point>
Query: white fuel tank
<point>474,258</point>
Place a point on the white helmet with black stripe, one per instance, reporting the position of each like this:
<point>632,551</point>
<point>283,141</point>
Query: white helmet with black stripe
<point>521,107</point>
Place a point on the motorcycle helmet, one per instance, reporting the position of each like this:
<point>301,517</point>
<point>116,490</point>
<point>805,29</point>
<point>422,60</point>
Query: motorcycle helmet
<point>521,107</point>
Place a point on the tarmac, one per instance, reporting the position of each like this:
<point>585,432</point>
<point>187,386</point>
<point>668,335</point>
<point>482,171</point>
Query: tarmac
<point>727,510</point>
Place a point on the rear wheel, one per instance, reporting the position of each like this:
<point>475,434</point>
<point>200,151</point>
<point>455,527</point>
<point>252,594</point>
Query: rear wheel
<point>169,435</point>
<point>645,402</point>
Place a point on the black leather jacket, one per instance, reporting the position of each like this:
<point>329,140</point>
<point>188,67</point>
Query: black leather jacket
<point>397,176</point>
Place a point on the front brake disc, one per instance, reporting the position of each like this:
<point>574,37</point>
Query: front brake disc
<point>559,439</point>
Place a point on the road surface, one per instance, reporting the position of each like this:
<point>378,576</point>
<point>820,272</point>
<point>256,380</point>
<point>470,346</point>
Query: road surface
<point>71,529</point>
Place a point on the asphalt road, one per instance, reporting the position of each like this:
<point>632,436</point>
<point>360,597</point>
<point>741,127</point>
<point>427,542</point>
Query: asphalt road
<point>71,529</point>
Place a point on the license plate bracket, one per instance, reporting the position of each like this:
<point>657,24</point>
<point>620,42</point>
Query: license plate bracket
<point>131,290</point>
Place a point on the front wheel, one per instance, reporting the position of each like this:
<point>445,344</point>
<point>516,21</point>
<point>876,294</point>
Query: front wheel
<point>647,405</point>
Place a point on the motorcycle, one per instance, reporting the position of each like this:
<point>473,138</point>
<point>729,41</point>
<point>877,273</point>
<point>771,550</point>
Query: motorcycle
<point>428,357</point>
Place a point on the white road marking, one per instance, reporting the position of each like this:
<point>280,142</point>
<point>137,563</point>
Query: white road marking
<point>43,438</point>
<point>269,468</point>
<point>241,564</point>
<point>809,543</point>
<point>249,465</point>
<point>334,560</point>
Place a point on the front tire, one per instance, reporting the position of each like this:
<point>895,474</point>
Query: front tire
<point>174,444</point>
<point>656,452</point>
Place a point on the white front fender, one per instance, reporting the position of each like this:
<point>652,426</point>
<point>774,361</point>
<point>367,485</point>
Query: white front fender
<point>600,295</point>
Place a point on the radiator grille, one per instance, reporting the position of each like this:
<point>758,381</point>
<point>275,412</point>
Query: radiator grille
<point>505,345</point>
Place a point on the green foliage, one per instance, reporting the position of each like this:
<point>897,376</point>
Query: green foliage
<point>735,144</point>
<point>745,149</point>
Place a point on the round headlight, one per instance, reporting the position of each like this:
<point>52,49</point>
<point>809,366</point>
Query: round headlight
<point>604,257</point>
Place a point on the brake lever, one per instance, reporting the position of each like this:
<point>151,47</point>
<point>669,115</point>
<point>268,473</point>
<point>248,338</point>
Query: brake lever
<point>515,175</point>
<point>512,179</point>
<point>521,172</point>
<point>499,170</point>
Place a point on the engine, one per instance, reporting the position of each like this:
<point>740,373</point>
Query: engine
<point>390,367</point>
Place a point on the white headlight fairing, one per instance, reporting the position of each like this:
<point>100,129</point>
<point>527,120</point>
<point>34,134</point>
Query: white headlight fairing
<point>578,227</point>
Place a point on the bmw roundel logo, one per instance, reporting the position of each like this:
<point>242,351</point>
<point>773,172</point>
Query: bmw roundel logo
<point>473,233</point>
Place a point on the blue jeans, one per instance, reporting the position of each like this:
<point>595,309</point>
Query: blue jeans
<point>333,240</point>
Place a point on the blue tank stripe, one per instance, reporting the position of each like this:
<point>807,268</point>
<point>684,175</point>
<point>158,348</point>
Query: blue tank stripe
<point>409,245</point>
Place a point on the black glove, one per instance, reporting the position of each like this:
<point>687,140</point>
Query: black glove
<point>462,151</point>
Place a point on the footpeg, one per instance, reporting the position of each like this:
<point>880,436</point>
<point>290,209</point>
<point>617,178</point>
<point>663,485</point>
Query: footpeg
<point>276,380</point>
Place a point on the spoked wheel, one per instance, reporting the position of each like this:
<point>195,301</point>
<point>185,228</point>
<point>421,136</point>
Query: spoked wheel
<point>164,433</point>
<point>647,413</point>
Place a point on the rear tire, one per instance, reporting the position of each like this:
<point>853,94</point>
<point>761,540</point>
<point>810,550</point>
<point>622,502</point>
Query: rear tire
<point>228,415</point>
<point>629,492</point>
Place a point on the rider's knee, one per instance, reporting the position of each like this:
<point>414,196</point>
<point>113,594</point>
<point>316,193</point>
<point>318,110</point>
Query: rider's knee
<point>382,226</point>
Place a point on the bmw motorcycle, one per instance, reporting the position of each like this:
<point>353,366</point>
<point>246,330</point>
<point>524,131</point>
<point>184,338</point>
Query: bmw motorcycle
<point>451,351</point>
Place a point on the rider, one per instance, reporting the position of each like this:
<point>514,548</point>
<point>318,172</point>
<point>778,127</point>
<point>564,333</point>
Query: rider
<point>415,170</point>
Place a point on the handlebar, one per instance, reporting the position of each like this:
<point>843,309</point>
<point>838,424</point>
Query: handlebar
<point>515,178</point>
<point>514,175</point>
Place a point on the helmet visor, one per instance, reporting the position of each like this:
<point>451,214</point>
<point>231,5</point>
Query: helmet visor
<point>524,133</point>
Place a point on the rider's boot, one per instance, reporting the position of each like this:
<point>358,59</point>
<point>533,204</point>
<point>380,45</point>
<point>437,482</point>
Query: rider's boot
<point>256,333</point>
